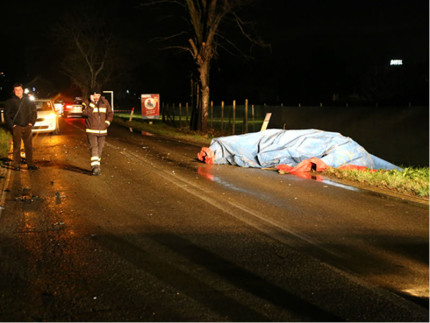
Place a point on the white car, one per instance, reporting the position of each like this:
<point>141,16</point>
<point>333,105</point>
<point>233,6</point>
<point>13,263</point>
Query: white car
<point>47,118</point>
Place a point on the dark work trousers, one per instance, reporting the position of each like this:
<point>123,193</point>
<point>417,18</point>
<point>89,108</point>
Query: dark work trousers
<point>96,147</point>
<point>22,133</point>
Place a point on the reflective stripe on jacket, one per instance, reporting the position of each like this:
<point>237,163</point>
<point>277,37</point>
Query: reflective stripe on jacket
<point>96,131</point>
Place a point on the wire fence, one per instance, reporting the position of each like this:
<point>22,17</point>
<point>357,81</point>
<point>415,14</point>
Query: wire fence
<point>230,119</point>
<point>242,117</point>
<point>398,134</point>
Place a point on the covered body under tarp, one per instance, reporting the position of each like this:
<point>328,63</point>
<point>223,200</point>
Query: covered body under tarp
<point>275,147</point>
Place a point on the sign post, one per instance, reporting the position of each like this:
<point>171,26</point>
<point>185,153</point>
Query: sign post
<point>111,98</point>
<point>150,106</point>
<point>131,115</point>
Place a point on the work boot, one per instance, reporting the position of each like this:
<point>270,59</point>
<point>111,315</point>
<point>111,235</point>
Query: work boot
<point>96,171</point>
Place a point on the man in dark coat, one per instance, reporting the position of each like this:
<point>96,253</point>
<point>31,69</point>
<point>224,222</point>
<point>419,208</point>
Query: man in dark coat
<point>20,116</point>
<point>98,117</point>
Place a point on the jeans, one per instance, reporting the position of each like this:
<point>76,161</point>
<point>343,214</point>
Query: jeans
<point>22,133</point>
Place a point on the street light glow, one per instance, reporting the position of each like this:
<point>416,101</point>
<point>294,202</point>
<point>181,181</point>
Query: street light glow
<point>396,62</point>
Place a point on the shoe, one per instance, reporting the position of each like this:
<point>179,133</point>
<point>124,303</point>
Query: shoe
<point>32,167</point>
<point>17,168</point>
<point>96,171</point>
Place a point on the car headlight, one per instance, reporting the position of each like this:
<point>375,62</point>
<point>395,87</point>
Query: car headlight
<point>52,116</point>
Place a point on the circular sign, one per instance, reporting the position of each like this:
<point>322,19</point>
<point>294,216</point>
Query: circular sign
<point>150,103</point>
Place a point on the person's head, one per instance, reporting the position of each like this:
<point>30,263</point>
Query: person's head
<point>95,94</point>
<point>18,90</point>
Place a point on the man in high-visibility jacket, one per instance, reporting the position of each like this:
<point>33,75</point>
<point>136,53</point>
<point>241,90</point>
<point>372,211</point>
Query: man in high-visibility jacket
<point>98,116</point>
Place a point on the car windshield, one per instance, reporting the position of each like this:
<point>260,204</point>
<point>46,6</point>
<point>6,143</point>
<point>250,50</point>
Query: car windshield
<point>43,106</point>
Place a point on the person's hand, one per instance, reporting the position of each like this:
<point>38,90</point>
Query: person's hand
<point>30,125</point>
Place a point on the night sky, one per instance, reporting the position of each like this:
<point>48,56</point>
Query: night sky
<point>317,49</point>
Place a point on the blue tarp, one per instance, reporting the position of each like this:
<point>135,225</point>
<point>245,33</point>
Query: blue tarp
<point>274,147</point>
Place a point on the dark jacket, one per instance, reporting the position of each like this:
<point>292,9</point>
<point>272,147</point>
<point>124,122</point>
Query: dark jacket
<point>20,112</point>
<point>98,116</point>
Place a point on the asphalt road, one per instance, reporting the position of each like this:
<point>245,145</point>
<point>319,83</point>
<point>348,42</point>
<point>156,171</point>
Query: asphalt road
<point>160,236</point>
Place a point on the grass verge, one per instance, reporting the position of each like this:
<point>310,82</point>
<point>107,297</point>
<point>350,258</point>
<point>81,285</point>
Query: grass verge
<point>5,140</point>
<point>158,127</point>
<point>410,181</point>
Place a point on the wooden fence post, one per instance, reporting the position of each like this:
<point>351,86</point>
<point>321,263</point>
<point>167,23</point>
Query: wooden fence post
<point>172,111</point>
<point>212,113</point>
<point>222,115</point>
<point>245,120</point>
<point>131,115</point>
<point>198,107</point>
<point>163,111</point>
<point>234,117</point>
<point>186,112</point>
<point>168,114</point>
<point>180,114</point>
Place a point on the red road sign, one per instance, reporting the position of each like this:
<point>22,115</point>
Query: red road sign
<point>150,106</point>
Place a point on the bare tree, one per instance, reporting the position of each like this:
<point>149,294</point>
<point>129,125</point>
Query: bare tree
<point>89,49</point>
<point>206,35</point>
<point>207,17</point>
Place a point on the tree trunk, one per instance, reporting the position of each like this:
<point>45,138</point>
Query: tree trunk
<point>204,79</point>
<point>195,108</point>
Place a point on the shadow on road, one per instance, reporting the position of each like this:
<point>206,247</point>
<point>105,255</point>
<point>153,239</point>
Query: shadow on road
<point>194,287</point>
<point>65,166</point>
<point>72,168</point>
<point>7,163</point>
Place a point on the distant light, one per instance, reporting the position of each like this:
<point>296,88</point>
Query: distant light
<point>26,91</point>
<point>34,89</point>
<point>396,62</point>
<point>128,92</point>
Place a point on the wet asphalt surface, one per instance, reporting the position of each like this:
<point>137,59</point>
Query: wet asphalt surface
<point>159,236</point>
